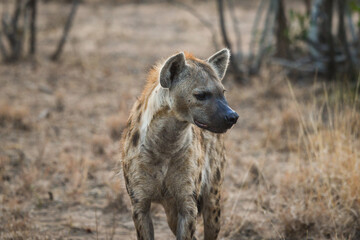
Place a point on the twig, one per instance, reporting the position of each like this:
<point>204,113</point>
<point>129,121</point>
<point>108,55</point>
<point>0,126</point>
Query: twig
<point>66,31</point>
<point>201,19</point>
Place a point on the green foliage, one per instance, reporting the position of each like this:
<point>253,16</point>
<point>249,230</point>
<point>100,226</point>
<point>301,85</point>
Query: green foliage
<point>355,7</point>
<point>298,25</point>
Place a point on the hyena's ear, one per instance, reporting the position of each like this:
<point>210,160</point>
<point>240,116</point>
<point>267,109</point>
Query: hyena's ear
<point>171,69</point>
<point>220,61</point>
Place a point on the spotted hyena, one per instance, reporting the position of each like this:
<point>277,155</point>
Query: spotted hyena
<point>172,147</point>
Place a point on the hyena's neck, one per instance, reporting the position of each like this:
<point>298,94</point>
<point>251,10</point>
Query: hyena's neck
<point>160,129</point>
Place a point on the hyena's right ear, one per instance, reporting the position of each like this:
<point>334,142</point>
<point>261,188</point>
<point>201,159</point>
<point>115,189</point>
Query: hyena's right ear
<point>171,69</point>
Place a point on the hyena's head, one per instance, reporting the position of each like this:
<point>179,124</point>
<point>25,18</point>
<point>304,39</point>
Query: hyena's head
<point>196,92</point>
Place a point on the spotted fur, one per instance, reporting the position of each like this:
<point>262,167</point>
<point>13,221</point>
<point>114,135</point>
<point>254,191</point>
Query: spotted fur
<point>167,159</point>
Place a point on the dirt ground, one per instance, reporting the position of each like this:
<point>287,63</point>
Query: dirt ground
<point>60,125</point>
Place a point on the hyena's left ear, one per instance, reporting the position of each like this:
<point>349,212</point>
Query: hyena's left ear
<point>219,61</point>
<point>171,69</point>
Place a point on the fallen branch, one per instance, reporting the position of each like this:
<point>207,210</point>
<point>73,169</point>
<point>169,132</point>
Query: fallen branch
<point>308,64</point>
<point>302,65</point>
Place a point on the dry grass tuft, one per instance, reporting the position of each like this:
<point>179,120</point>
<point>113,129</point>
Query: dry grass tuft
<point>118,204</point>
<point>321,194</point>
<point>15,224</point>
<point>99,143</point>
<point>5,113</point>
<point>18,116</point>
<point>59,101</point>
<point>247,231</point>
<point>76,170</point>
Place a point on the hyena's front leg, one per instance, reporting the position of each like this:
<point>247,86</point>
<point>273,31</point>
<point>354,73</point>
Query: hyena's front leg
<point>142,219</point>
<point>211,214</point>
<point>186,219</point>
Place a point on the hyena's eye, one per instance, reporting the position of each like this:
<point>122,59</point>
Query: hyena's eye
<point>202,96</point>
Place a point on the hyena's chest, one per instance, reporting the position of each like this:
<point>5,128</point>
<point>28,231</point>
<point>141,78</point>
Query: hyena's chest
<point>167,166</point>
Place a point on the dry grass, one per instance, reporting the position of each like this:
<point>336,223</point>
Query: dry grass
<point>99,144</point>
<point>59,101</point>
<point>17,117</point>
<point>292,159</point>
<point>320,195</point>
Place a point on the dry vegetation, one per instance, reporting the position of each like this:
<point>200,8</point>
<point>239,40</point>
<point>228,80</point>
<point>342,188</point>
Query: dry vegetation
<point>293,167</point>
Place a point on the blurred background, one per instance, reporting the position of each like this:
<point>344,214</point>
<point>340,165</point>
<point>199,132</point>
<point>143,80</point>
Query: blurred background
<point>70,71</point>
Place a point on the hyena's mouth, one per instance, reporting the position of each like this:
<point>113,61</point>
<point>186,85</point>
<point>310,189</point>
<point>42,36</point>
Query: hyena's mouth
<point>200,125</point>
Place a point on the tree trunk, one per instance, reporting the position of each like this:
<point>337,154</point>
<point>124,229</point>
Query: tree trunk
<point>282,41</point>
<point>351,59</point>
<point>320,36</point>
<point>313,34</point>
<point>308,7</point>
<point>331,66</point>
<point>15,38</point>
<point>33,9</point>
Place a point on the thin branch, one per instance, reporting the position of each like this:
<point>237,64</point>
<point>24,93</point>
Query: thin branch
<point>262,45</point>
<point>16,15</point>
<point>255,29</point>
<point>13,33</point>
<point>201,19</point>
<point>272,27</point>
<point>222,24</point>
<point>66,31</point>
<point>2,48</point>
<point>236,28</point>
<point>233,61</point>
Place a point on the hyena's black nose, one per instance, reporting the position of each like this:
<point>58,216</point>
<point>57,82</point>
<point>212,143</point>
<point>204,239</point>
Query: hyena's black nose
<point>231,118</point>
